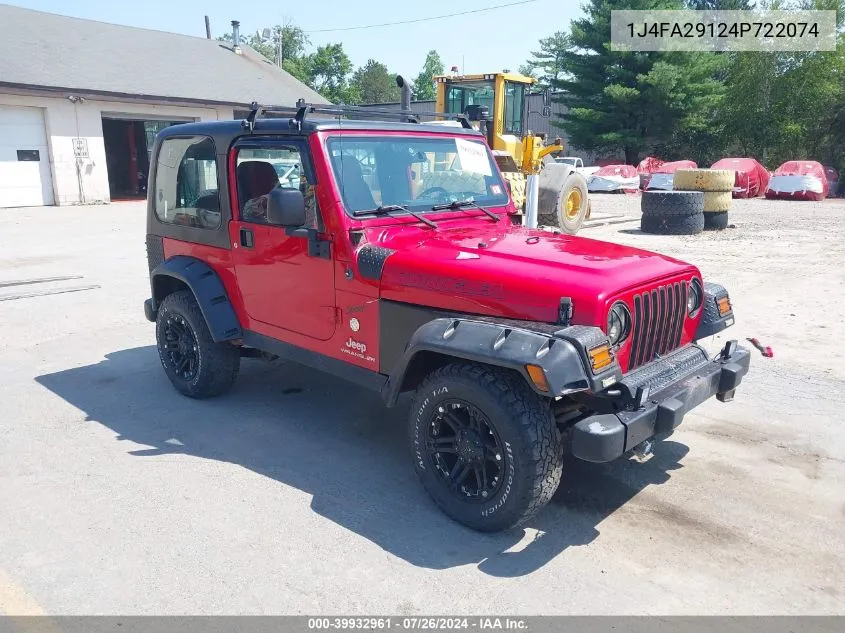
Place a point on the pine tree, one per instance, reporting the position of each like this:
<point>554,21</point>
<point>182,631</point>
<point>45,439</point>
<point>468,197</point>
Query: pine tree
<point>620,101</point>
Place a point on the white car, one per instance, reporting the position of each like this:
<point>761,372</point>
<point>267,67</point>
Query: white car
<point>578,164</point>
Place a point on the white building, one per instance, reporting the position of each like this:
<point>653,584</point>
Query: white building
<point>81,101</point>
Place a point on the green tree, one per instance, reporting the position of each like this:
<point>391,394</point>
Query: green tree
<point>527,69</point>
<point>547,64</point>
<point>328,73</point>
<point>423,85</point>
<point>294,42</point>
<point>610,107</point>
<point>788,105</point>
<point>373,83</point>
<point>719,5</point>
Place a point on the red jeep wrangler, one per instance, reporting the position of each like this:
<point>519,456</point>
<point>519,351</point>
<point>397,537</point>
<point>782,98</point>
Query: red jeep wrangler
<point>383,253</point>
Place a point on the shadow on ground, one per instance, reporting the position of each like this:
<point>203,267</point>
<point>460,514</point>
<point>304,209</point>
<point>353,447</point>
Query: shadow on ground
<point>338,443</point>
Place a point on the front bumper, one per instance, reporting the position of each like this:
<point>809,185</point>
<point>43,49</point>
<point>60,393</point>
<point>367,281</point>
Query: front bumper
<point>663,392</point>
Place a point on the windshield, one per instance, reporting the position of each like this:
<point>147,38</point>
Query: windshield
<point>414,171</point>
<point>459,96</point>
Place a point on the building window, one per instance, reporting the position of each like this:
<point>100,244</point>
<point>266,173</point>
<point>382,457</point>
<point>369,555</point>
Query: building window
<point>186,185</point>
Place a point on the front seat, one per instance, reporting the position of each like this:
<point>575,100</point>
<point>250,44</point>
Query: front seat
<point>354,190</point>
<point>256,178</point>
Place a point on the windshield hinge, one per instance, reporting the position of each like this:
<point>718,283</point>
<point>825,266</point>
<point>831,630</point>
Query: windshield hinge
<point>565,312</point>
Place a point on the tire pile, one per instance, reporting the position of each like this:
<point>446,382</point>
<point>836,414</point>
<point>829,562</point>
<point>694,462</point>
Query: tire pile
<point>700,201</point>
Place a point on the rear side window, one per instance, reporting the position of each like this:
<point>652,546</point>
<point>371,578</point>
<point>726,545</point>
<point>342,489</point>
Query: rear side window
<point>186,186</point>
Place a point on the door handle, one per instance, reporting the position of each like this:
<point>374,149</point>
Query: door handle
<point>247,238</point>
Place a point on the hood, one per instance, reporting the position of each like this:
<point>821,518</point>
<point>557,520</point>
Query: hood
<point>482,267</point>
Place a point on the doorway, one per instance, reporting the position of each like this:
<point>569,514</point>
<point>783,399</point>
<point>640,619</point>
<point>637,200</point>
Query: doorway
<point>129,144</point>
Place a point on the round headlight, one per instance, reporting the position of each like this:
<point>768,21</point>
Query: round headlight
<point>696,295</point>
<point>618,323</point>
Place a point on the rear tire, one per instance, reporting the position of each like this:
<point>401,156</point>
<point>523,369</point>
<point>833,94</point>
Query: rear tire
<point>671,203</point>
<point>485,429</point>
<point>673,224</point>
<point>565,206</point>
<point>196,365</point>
<point>704,179</point>
<point>716,221</point>
<point>717,201</point>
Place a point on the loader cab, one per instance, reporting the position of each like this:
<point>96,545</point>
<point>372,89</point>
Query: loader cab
<point>504,96</point>
<point>503,93</point>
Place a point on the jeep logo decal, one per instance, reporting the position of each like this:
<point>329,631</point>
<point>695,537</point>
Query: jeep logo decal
<point>356,345</point>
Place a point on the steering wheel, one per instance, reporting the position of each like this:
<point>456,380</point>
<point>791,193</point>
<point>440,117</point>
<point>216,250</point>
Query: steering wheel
<point>439,191</point>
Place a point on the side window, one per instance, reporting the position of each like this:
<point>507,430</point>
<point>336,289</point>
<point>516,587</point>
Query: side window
<point>514,103</point>
<point>187,190</point>
<point>260,170</point>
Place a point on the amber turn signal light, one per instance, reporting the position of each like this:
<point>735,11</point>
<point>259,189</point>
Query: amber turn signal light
<point>600,357</point>
<point>538,377</point>
<point>724,305</point>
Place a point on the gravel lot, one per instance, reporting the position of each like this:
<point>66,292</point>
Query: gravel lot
<point>295,494</point>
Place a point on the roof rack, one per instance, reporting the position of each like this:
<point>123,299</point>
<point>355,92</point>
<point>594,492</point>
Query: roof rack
<point>302,109</point>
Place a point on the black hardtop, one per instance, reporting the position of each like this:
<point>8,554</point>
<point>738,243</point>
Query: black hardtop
<point>229,130</point>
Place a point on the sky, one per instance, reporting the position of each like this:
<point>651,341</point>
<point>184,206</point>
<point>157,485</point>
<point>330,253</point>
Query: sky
<point>487,41</point>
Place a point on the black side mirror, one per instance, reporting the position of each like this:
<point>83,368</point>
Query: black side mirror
<point>286,207</point>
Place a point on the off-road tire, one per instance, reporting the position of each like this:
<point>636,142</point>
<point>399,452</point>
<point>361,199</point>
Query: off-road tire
<point>515,182</point>
<point>218,363</point>
<point>717,201</point>
<point>672,224</point>
<point>671,203</point>
<point>717,221</point>
<point>533,457</point>
<point>704,179</point>
<point>553,203</point>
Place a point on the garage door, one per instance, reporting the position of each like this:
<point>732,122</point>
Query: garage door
<point>24,160</point>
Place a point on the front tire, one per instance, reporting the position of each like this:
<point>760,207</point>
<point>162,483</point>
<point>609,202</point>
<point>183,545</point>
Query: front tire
<point>562,203</point>
<point>486,447</point>
<point>196,365</point>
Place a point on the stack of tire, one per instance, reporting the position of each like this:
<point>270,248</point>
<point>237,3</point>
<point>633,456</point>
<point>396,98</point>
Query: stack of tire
<point>700,200</point>
<point>717,186</point>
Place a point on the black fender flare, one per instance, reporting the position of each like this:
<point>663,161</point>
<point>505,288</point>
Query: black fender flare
<point>208,290</point>
<point>562,355</point>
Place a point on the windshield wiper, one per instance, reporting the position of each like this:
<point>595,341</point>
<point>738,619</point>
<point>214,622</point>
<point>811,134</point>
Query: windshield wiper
<point>469,202</point>
<point>387,209</point>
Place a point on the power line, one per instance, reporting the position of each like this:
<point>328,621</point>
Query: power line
<point>436,17</point>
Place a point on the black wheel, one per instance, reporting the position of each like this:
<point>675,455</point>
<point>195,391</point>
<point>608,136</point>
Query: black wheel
<point>196,365</point>
<point>664,203</point>
<point>717,221</point>
<point>485,446</point>
<point>672,224</point>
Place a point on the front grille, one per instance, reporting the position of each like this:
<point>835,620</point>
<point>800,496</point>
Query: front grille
<point>658,322</point>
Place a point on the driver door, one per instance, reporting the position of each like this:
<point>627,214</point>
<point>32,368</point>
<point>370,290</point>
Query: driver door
<point>281,284</point>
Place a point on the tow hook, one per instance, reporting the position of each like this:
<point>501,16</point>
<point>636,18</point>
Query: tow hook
<point>644,449</point>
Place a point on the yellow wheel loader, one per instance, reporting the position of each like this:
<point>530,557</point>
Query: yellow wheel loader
<point>544,191</point>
